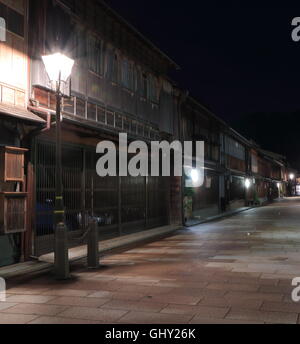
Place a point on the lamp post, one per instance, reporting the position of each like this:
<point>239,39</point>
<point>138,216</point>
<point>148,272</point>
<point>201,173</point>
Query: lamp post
<point>59,69</point>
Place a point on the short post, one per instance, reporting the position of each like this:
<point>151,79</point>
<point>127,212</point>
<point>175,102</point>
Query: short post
<point>93,249</point>
<point>62,267</point>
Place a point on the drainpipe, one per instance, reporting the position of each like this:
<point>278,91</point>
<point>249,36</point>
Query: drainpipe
<point>48,120</point>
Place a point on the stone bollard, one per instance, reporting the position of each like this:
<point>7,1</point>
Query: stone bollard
<point>61,258</point>
<point>93,250</point>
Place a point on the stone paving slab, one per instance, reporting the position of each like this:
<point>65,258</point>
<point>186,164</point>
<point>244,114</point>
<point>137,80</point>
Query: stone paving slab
<point>89,313</point>
<point>35,309</point>
<point>45,262</point>
<point>236,270</point>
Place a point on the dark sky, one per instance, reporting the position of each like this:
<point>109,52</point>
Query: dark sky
<point>237,60</point>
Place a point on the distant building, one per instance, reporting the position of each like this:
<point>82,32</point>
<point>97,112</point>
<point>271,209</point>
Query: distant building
<point>237,174</point>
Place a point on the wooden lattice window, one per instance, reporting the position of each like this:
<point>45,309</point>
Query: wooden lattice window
<point>110,118</point>
<point>68,105</point>
<point>12,164</point>
<point>101,115</point>
<point>92,111</point>
<point>80,107</point>
<point>119,121</point>
<point>12,212</point>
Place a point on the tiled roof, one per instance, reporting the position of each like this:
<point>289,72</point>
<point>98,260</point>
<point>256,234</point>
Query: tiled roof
<point>18,112</point>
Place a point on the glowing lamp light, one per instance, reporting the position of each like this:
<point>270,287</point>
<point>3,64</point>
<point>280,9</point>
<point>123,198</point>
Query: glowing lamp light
<point>58,67</point>
<point>195,175</point>
<point>278,185</point>
<point>292,176</point>
<point>247,183</point>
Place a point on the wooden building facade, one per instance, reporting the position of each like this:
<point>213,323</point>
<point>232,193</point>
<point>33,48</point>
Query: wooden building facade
<point>16,126</point>
<point>119,84</point>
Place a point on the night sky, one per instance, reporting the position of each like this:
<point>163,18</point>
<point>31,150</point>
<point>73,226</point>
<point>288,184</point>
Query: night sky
<point>240,62</point>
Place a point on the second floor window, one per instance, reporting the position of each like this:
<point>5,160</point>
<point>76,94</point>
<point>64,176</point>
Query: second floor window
<point>235,149</point>
<point>154,97</point>
<point>144,86</point>
<point>79,49</point>
<point>14,20</point>
<point>127,75</point>
<point>112,67</point>
<point>95,56</point>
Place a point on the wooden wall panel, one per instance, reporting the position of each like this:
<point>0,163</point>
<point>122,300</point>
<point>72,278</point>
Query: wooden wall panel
<point>18,5</point>
<point>13,62</point>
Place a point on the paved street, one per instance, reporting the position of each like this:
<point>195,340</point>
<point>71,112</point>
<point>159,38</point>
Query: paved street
<point>236,270</point>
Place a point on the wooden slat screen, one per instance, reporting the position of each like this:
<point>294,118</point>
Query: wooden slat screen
<point>12,212</point>
<point>12,164</point>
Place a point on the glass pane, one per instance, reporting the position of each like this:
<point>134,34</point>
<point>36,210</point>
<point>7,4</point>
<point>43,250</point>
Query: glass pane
<point>91,111</point>
<point>101,114</point>
<point>110,118</point>
<point>146,132</point>
<point>133,127</point>
<point>119,121</point>
<point>126,124</point>
<point>140,130</point>
<point>15,22</point>
<point>69,105</point>
<point>80,107</point>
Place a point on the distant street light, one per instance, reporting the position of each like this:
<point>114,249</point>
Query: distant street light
<point>195,175</point>
<point>279,189</point>
<point>59,69</point>
<point>247,183</point>
<point>292,184</point>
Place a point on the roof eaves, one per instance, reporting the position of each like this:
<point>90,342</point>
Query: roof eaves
<point>138,33</point>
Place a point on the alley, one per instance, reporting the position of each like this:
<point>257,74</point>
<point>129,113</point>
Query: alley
<point>236,270</point>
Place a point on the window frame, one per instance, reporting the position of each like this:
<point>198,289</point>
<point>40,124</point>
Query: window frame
<point>95,54</point>
<point>6,13</point>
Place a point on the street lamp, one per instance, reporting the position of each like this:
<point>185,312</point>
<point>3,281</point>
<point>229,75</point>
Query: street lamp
<point>59,69</point>
<point>195,175</point>
<point>279,189</point>
<point>292,184</point>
